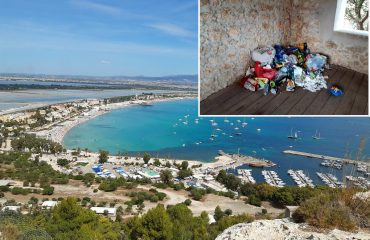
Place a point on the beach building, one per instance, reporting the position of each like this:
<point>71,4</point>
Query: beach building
<point>6,183</point>
<point>49,204</point>
<point>31,121</point>
<point>11,208</point>
<point>107,211</point>
<point>42,112</point>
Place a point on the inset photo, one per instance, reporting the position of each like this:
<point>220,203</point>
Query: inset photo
<point>285,57</point>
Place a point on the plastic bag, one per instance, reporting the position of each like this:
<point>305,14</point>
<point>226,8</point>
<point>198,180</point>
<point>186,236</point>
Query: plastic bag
<point>264,72</point>
<point>315,63</point>
<point>299,76</point>
<point>264,55</point>
<point>280,55</point>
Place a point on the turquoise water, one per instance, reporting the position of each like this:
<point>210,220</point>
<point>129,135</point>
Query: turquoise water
<point>160,130</point>
<point>151,173</point>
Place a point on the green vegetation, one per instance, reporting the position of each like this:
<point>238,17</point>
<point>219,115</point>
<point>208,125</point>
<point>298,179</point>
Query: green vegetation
<point>62,162</point>
<point>48,190</point>
<point>66,221</point>
<point>197,193</point>
<point>103,156</point>
<point>146,158</point>
<point>30,172</point>
<point>177,222</point>
<point>187,202</point>
<point>19,190</point>
<point>335,209</point>
<point>166,176</point>
<point>185,171</point>
<point>36,145</point>
<point>138,198</point>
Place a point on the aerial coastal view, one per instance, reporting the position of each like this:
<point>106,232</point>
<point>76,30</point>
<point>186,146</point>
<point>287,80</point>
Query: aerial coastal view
<point>100,138</point>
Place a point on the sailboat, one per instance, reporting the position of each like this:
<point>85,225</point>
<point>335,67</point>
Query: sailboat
<point>316,136</point>
<point>291,136</point>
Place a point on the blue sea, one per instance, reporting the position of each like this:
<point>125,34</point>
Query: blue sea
<point>170,129</point>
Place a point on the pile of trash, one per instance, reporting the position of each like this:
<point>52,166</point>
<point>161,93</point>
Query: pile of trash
<point>295,66</point>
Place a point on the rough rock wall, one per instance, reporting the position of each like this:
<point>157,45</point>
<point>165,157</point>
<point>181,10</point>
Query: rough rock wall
<point>312,21</point>
<point>229,30</point>
<point>283,229</point>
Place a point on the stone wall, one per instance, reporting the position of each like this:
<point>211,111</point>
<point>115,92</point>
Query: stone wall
<point>314,24</point>
<point>230,29</point>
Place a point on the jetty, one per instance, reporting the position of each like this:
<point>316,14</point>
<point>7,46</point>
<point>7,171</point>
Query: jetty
<point>330,180</point>
<point>324,157</point>
<point>248,160</point>
<point>246,175</point>
<point>300,178</point>
<point>272,179</point>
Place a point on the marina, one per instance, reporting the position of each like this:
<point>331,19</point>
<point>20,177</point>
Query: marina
<point>360,182</point>
<point>330,180</point>
<point>246,176</point>
<point>333,164</point>
<point>272,179</point>
<point>300,178</point>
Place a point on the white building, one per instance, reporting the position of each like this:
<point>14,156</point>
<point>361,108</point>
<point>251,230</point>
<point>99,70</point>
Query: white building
<point>105,210</point>
<point>49,204</point>
<point>11,208</point>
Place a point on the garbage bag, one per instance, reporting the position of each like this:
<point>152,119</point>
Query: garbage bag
<point>292,59</point>
<point>280,55</point>
<point>264,55</point>
<point>299,76</point>
<point>264,72</point>
<point>283,73</point>
<point>315,63</point>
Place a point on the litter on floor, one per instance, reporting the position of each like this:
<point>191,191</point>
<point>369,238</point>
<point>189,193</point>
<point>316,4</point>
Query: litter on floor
<point>292,67</point>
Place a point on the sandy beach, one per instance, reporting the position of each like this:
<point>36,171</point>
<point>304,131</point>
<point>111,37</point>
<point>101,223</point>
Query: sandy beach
<point>57,132</point>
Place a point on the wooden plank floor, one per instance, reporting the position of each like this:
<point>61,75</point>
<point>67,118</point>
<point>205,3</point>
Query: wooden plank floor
<point>235,100</point>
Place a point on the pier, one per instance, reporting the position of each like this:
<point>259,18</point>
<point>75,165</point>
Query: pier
<point>330,180</point>
<point>323,157</point>
<point>300,178</point>
<point>272,179</point>
<point>246,175</point>
<point>248,160</point>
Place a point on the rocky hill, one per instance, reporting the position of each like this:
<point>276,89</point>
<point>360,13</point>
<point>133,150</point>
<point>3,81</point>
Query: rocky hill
<point>280,229</point>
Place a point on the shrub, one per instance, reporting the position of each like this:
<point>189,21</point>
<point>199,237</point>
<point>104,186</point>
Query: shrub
<point>187,202</point>
<point>48,190</point>
<point>154,198</point>
<point>19,190</point>
<point>254,200</point>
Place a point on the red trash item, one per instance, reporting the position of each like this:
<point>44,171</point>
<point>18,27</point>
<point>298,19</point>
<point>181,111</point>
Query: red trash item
<point>262,72</point>
<point>243,81</point>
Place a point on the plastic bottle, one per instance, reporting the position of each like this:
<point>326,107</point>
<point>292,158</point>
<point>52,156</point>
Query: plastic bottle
<point>266,89</point>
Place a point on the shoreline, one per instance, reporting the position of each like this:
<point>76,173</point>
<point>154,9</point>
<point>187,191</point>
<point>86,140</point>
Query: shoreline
<point>59,131</point>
